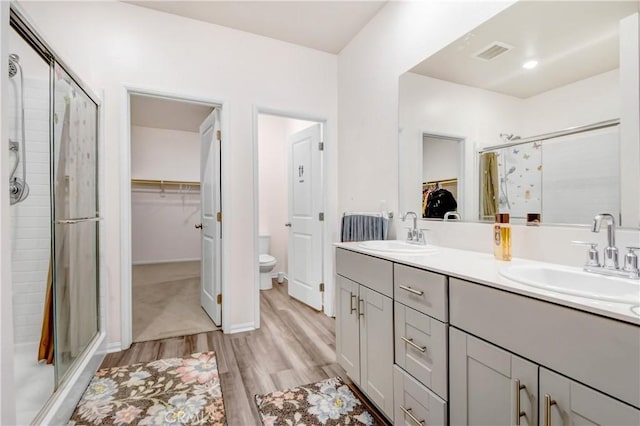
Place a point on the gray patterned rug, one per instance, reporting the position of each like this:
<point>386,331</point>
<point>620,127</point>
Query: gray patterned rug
<point>173,391</point>
<point>328,402</point>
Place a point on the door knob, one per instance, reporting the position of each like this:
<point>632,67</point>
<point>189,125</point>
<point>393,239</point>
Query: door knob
<point>198,226</point>
<point>288,224</point>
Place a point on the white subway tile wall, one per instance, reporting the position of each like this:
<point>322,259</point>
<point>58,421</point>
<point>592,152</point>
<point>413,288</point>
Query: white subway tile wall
<point>31,219</point>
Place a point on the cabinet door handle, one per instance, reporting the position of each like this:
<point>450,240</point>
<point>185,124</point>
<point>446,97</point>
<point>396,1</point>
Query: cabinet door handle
<point>548,402</point>
<point>361,310</point>
<point>408,412</point>
<point>410,342</point>
<point>352,309</point>
<point>519,413</point>
<point>410,290</point>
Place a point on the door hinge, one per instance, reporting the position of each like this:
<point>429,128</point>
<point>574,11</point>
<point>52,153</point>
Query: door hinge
<point>321,146</point>
<point>219,299</point>
<point>321,217</point>
<point>322,287</point>
<point>219,216</point>
<point>218,135</point>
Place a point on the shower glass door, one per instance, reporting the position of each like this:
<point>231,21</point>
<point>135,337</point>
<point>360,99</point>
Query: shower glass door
<point>75,219</point>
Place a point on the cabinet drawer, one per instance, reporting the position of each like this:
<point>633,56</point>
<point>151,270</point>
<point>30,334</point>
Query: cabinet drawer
<point>414,404</point>
<point>377,274</point>
<point>421,290</point>
<point>597,351</point>
<point>424,352</point>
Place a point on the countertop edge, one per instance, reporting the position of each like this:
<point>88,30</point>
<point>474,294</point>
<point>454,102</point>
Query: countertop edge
<point>615,311</point>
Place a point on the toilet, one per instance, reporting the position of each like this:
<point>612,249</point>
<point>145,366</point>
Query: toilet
<point>267,263</point>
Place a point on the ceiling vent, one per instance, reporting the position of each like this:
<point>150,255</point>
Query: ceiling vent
<point>492,51</point>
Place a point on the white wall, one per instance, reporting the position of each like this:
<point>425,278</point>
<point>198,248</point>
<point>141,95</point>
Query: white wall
<point>440,159</point>
<point>163,223</point>
<point>165,154</point>
<point>273,134</point>
<point>272,151</point>
<point>368,87</point>
<point>112,44</point>
<point>163,226</point>
<point>580,103</point>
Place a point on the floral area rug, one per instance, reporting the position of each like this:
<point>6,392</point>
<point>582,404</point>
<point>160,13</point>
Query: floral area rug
<point>328,402</point>
<point>173,391</point>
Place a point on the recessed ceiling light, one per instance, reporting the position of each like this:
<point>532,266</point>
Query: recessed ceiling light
<point>529,65</point>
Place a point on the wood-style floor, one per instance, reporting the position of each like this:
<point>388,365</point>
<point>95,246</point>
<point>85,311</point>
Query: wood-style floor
<point>295,345</point>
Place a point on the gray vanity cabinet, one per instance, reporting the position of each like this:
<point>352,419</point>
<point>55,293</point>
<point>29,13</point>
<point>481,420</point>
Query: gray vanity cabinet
<point>376,348</point>
<point>348,328</point>
<point>364,325</point>
<point>567,403</point>
<point>488,384</point>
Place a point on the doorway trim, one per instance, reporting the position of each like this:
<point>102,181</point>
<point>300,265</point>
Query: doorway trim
<point>126,317</point>
<point>327,263</point>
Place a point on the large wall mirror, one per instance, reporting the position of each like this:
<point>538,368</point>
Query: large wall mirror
<point>534,112</point>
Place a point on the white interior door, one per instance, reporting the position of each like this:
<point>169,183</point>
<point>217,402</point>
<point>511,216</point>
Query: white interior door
<point>305,206</point>
<point>210,209</point>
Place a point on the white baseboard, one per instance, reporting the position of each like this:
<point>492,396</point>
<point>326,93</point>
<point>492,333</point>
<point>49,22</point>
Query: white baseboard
<point>152,262</point>
<point>114,347</point>
<point>275,275</point>
<point>240,328</point>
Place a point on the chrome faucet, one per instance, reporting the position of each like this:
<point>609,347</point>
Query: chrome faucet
<point>415,235</point>
<point>610,265</point>
<point>610,251</point>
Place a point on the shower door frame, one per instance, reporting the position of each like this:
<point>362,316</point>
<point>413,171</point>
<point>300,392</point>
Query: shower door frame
<point>63,401</point>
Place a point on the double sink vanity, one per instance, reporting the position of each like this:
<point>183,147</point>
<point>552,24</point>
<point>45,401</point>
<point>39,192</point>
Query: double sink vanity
<point>437,336</point>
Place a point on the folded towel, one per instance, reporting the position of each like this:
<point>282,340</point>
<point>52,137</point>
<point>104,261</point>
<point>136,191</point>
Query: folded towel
<point>364,227</point>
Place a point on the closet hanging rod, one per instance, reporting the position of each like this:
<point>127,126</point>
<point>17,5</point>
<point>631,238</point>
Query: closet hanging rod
<point>163,182</point>
<point>441,182</point>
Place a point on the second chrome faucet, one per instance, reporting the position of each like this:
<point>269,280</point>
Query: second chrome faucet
<point>610,264</point>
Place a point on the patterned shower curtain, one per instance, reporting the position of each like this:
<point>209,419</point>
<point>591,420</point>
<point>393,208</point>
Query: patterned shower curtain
<point>75,251</point>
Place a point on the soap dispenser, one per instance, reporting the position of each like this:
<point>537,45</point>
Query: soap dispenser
<point>502,237</point>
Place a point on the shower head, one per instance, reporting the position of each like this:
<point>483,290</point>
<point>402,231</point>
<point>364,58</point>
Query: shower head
<point>13,64</point>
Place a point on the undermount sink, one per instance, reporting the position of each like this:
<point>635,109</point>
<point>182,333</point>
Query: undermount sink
<point>396,246</point>
<point>575,282</point>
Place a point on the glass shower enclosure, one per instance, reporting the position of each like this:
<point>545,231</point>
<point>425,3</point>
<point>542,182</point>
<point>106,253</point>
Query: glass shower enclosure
<point>54,144</point>
<point>74,209</point>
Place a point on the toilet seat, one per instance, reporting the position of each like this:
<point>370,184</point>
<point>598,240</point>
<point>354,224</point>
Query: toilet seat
<point>266,259</point>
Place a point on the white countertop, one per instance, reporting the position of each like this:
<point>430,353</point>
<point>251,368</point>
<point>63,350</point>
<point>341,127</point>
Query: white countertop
<point>484,269</point>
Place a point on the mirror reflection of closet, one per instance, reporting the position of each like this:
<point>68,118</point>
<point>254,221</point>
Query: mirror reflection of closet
<point>440,173</point>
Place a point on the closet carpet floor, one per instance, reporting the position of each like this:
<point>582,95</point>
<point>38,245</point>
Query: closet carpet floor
<point>166,301</point>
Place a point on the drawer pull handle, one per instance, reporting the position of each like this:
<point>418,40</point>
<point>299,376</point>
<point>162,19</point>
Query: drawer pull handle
<point>410,342</point>
<point>519,412</point>
<point>361,310</point>
<point>408,412</point>
<point>352,309</point>
<point>548,402</point>
<point>410,290</point>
